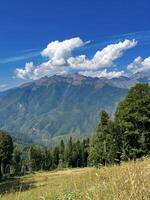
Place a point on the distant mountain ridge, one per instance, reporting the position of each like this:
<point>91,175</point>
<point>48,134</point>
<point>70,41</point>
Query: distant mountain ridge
<point>58,105</point>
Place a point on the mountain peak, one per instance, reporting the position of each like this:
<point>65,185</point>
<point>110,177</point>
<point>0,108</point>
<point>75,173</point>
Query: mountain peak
<point>77,79</point>
<point>143,77</point>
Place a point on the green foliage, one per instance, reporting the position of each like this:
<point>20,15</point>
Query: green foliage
<point>6,150</point>
<point>103,149</point>
<point>85,151</point>
<point>71,154</point>
<point>35,158</point>
<point>48,161</point>
<point>128,136</point>
<point>56,154</point>
<point>133,118</point>
<point>17,161</point>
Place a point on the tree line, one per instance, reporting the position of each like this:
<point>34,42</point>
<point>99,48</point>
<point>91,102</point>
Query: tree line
<point>124,136</point>
<point>17,161</point>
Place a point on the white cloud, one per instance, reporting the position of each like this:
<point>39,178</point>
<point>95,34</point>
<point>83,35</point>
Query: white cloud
<point>27,72</point>
<point>103,73</point>
<point>139,65</point>
<point>47,69</point>
<point>59,52</point>
<point>61,61</point>
<point>103,58</point>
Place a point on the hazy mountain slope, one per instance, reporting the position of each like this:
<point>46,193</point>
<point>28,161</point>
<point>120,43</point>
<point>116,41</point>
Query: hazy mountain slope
<point>143,77</point>
<point>57,105</point>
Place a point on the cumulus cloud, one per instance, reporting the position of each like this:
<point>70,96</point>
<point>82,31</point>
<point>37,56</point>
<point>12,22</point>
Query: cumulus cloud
<point>103,73</point>
<point>26,72</point>
<point>61,61</point>
<point>139,65</point>
<point>103,58</point>
<point>59,52</point>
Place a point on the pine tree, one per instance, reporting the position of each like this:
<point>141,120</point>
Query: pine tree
<point>6,150</point>
<point>102,149</point>
<point>48,159</point>
<point>35,156</point>
<point>61,155</point>
<point>85,149</point>
<point>55,157</point>
<point>17,161</point>
<point>68,153</point>
<point>133,118</point>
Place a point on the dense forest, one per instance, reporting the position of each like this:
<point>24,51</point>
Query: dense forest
<point>123,137</point>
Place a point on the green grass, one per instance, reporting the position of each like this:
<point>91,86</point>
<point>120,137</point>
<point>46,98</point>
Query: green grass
<point>129,181</point>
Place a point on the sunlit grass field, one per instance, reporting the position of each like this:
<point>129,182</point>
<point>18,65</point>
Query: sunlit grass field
<point>129,181</point>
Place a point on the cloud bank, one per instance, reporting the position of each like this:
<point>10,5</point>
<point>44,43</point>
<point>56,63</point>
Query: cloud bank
<point>103,58</point>
<point>103,73</point>
<point>139,65</point>
<point>61,60</point>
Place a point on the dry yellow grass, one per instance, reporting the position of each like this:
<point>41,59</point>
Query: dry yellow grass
<point>129,181</point>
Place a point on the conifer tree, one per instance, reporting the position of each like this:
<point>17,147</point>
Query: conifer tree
<point>102,150</point>
<point>68,153</point>
<point>133,118</point>
<point>55,157</point>
<point>6,150</point>
<point>17,161</point>
<point>35,156</point>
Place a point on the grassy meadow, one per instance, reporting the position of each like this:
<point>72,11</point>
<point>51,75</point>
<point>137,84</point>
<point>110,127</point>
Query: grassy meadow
<point>129,181</point>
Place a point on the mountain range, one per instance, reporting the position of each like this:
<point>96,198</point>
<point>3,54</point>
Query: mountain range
<point>61,105</point>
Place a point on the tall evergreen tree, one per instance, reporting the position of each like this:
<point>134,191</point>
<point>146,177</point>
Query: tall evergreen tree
<point>61,155</point>
<point>85,150</point>
<point>48,159</point>
<point>133,118</point>
<point>17,161</point>
<point>6,150</point>
<point>35,156</point>
<point>68,153</point>
<point>102,149</point>
<point>55,157</point>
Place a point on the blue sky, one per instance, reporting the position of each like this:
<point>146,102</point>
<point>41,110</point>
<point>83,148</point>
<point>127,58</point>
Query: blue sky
<point>27,27</point>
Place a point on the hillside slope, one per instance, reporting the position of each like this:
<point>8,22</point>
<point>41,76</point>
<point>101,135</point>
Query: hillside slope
<point>57,105</point>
